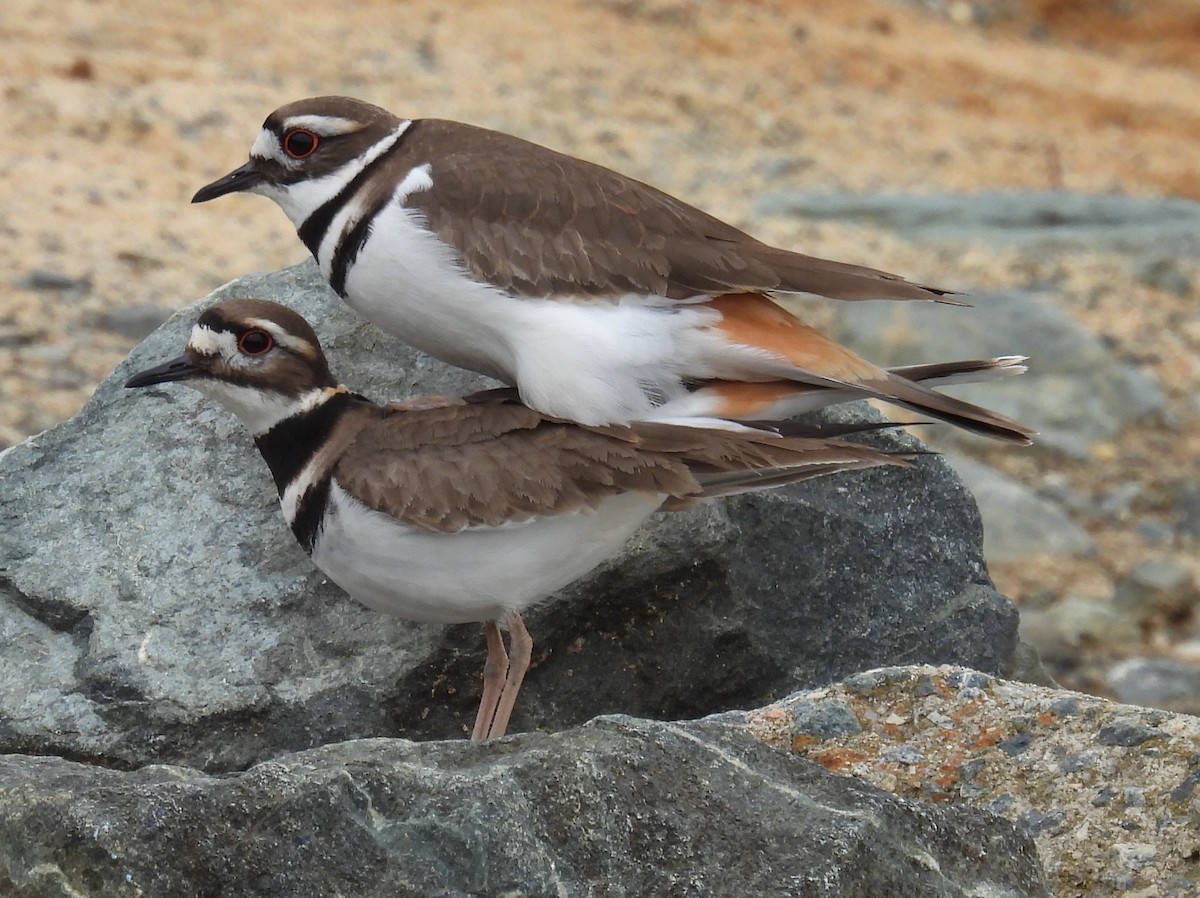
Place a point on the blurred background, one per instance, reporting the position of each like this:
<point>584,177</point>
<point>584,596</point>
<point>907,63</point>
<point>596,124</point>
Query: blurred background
<point>1038,154</point>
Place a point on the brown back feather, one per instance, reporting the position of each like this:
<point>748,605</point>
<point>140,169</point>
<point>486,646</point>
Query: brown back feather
<point>569,226</point>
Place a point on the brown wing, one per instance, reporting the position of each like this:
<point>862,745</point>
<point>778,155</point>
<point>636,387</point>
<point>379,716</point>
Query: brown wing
<point>494,462</point>
<point>537,222</point>
<point>444,469</point>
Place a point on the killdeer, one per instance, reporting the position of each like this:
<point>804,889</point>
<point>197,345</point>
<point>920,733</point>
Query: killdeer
<point>599,297</point>
<point>464,510</point>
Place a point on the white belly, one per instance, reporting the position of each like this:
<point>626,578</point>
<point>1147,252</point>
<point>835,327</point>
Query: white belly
<point>473,575</point>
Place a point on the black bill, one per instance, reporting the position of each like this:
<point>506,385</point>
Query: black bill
<point>180,368</point>
<point>241,178</point>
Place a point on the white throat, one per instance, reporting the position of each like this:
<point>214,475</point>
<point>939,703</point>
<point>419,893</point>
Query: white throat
<point>258,409</point>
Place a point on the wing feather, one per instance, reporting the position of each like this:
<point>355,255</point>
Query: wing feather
<point>539,223</point>
<point>491,461</point>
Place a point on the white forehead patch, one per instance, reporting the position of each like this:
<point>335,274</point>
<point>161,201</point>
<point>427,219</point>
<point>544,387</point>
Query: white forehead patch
<point>206,341</point>
<point>266,146</point>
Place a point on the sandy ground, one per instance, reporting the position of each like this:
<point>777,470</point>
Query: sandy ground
<point>116,112</point>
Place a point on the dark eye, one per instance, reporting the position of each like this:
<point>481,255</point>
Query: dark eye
<point>255,342</point>
<point>299,143</point>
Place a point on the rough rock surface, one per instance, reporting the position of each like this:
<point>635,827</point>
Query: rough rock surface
<point>617,807</point>
<point>1110,793</point>
<point>156,609</point>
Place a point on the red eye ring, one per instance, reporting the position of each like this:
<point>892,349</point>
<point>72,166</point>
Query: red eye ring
<point>255,341</point>
<point>300,142</point>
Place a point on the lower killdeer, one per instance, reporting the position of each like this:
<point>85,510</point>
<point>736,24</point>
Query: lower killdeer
<point>599,297</point>
<point>464,510</point>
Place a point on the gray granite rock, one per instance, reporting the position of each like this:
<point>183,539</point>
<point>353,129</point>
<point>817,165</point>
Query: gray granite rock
<point>1043,219</point>
<point>154,607</point>
<point>1062,630</point>
<point>1076,393</point>
<point>1165,272</point>
<point>617,807</point>
<point>1159,585</point>
<point>1156,683</point>
<point>1017,522</point>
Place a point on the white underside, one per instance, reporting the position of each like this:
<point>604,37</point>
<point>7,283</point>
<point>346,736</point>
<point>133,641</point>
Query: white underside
<point>594,361</point>
<point>473,575</point>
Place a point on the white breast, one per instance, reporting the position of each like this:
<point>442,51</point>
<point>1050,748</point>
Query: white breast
<point>409,283</point>
<point>473,575</point>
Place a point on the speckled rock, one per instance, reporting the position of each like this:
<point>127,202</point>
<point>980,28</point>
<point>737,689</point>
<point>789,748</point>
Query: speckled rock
<point>1110,793</point>
<point>617,807</point>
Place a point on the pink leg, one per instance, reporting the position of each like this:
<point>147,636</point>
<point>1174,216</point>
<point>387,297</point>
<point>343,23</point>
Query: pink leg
<point>521,647</point>
<point>495,670</point>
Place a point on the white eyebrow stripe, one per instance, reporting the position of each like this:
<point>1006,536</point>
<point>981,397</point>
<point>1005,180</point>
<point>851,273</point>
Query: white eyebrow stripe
<point>323,125</point>
<point>282,337</point>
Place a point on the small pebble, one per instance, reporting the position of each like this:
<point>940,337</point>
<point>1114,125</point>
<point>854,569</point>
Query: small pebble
<point>968,770</point>
<point>969,679</point>
<point>1127,733</point>
<point>1075,763</point>
<point>1035,822</point>
<point>1016,745</point>
<point>1157,583</point>
<point>902,754</point>
<point>825,720</point>
<point>1065,707</point>
<point>1164,273</point>
<point>1135,796</point>
<point>1104,797</point>
<point>1184,790</point>
<point>1000,803</point>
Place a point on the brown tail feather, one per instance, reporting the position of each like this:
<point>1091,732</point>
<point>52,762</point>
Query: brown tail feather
<point>964,372</point>
<point>973,418</point>
<point>772,401</point>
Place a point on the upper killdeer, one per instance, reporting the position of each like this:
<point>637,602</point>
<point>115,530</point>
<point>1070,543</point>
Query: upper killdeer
<point>599,297</point>
<point>471,509</point>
